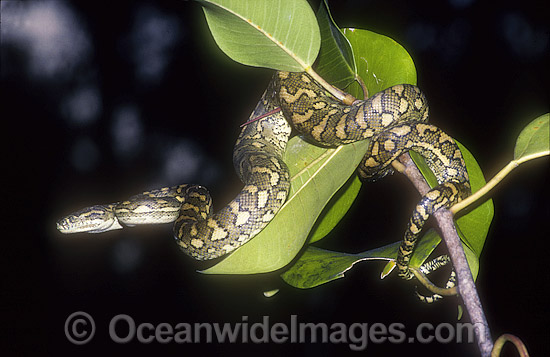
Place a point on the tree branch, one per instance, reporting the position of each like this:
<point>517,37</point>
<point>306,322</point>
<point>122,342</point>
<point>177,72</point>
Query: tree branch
<point>466,285</point>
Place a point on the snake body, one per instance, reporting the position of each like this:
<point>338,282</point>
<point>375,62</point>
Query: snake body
<point>257,158</point>
<point>395,121</point>
<point>202,234</point>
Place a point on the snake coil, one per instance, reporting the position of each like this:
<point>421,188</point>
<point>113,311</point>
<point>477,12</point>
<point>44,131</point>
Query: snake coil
<point>394,120</point>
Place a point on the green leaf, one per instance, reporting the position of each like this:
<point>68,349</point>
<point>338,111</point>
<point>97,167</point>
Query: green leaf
<point>381,62</point>
<point>473,226</point>
<point>317,173</point>
<point>534,139</point>
<point>271,293</point>
<point>335,62</point>
<point>281,34</point>
<point>473,261</point>
<point>424,168</point>
<point>426,245</point>
<point>336,209</point>
<point>318,266</point>
<point>365,53</point>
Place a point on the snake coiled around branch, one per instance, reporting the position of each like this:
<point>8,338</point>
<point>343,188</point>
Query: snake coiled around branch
<point>394,120</point>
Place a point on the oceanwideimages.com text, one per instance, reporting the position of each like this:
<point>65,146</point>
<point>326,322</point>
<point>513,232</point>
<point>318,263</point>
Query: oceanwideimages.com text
<point>80,329</point>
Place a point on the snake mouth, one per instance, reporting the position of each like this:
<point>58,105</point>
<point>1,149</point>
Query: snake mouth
<point>72,224</point>
<point>75,224</point>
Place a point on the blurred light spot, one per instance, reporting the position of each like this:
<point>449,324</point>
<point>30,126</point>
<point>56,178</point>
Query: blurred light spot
<point>182,162</point>
<point>525,41</point>
<point>153,37</point>
<point>85,155</point>
<point>460,4</point>
<point>49,32</point>
<point>421,35</point>
<point>127,132</point>
<point>127,255</point>
<point>83,106</point>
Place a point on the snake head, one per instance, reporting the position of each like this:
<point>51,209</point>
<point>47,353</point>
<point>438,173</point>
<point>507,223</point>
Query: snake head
<point>94,219</point>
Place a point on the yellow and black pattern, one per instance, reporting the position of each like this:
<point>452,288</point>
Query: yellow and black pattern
<point>258,161</point>
<point>151,207</point>
<point>430,267</point>
<point>200,233</point>
<point>395,122</point>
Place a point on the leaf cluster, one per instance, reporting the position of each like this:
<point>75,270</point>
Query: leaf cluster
<point>287,35</point>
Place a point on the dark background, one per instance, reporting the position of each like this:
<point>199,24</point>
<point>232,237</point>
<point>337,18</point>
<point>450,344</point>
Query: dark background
<point>120,97</point>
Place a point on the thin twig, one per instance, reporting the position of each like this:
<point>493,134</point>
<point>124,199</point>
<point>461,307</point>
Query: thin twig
<point>466,285</point>
<point>422,278</point>
<point>518,343</point>
<point>496,180</point>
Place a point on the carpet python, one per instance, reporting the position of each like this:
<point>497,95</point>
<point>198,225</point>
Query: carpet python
<point>200,233</point>
<point>395,121</point>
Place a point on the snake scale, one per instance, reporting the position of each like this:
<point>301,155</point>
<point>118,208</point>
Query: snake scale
<point>395,121</point>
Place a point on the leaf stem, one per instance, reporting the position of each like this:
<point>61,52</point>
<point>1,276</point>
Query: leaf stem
<point>526,158</point>
<point>342,96</point>
<point>495,181</point>
<point>363,86</point>
<point>499,343</point>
